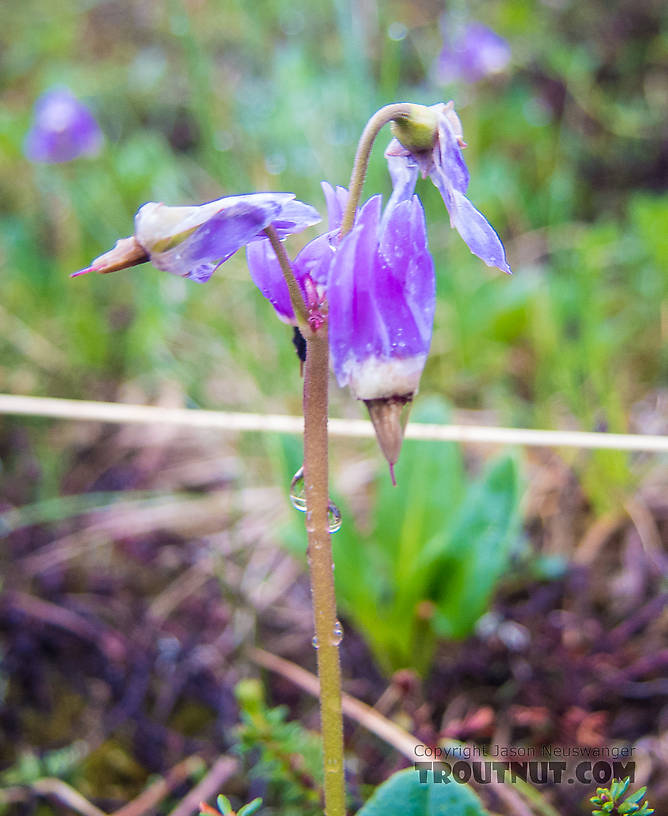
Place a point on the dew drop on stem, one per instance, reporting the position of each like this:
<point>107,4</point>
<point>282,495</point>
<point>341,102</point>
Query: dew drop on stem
<point>334,519</point>
<point>337,634</point>
<point>297,491</point>
<point>298,501</point>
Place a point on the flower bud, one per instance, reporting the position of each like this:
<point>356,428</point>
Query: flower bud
<point>418,130</point>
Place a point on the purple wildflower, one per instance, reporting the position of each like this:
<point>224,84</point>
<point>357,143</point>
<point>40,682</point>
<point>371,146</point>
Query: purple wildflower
<point>445,166</point>
<point>194,241</point>
<point>378,282</point>
<point>379,285</point>
<point>381,295</point>
<point>311,266</point>
<point>63,129</point>
<point>472,53</point>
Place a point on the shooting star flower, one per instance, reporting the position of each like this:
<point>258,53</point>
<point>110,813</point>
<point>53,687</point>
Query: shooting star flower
<point>471,53</point>
<point>444,163</point>
<point>194,241</point>
<point>63,129</point>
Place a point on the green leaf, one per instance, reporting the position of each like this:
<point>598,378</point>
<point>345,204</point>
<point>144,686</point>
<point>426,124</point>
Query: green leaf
<point>224,804</point>
<point>404,795</point>
<point>634,798</point>
<point>483,537</point>
<point>250,808</point>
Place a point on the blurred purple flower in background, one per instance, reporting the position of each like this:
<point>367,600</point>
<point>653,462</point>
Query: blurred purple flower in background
<point>471,53</point>
<point>63,128</point>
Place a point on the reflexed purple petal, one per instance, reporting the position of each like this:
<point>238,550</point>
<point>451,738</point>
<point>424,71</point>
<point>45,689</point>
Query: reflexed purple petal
<point>294,216</point>
<point>63,129</point>
<point>476,231</point>
<point>354,327</point>
<point>199,239</point>
<point>381,302</point>
<point>450,161</point>
<point>315,259</point>
<point>217,239</point>
<point>406,295</point>
<point>404,174</point>
<point>336,204</point>
<point>424,159</point>
<point>267,276</point>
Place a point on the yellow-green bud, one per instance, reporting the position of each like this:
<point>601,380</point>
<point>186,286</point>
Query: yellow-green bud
<point>417,131</point>
<point>250,695</point>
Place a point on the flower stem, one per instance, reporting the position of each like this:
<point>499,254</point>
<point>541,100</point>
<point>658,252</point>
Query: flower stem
<point>373,127</point>
<point>296,298</point>
<point>321,566</point>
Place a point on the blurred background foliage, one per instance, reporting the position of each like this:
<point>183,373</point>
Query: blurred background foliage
<point>199,98</point>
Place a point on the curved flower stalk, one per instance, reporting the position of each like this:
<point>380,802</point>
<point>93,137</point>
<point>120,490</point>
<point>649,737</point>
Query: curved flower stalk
<point>194,241</point>
<point>63,129</point>
<point>444,163</point>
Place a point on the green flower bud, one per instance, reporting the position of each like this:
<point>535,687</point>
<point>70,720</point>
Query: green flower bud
<point>418,130</point>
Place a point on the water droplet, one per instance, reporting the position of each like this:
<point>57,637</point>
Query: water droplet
<point>337,635</point>
<point>315,642</point>
<point>298,491</point>
<point>333,518</point>
<point>298,501</point>
<point>397,31</point>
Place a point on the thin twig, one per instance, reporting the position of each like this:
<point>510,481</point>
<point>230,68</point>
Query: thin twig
<point>109,642</point>
<point>78,410</point>
<point>404,742</point>
<point>156,792</point>
<point>362,713</point>
<point>67,795</point>
<point>222,770</point>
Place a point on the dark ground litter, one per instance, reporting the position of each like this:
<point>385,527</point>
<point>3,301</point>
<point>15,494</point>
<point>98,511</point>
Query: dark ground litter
<point>133,641</point>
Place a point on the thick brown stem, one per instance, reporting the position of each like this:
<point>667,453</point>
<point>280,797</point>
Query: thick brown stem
<point>321,567</point>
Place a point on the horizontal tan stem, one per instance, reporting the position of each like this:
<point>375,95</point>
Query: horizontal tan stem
<point>235,422</point>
